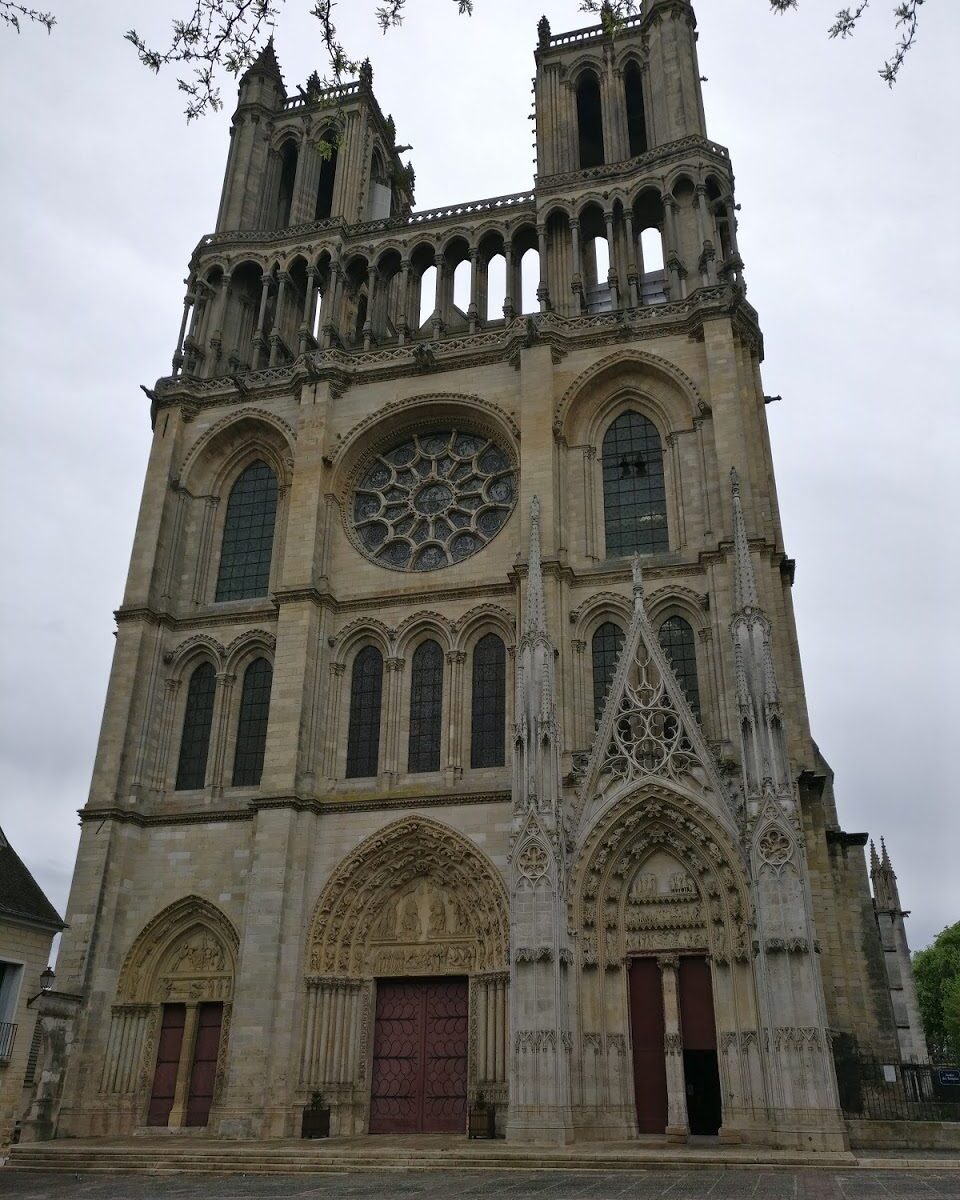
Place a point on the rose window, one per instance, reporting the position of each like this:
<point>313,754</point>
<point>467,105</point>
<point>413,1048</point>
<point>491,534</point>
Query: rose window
<point>433,500</point>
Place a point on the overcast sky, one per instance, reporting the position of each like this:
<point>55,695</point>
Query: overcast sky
<point>848,229</point>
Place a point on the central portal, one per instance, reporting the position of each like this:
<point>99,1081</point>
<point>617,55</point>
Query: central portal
<point>420,1056</point>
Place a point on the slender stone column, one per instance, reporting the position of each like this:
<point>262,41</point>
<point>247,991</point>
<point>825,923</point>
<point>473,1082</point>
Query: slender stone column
<point>372,275</point>
<point>472,310</point>
<point>259,338</point>
<point>509,311</point>
<point>454,764</point>
<point>576,284</point>
<point>403,323</point>
<point>613,279</point>
<point>215,769</point>
<point>438,305</point>
<point>543,288</point>
<point>216,334</point>
<point>678,1127</point>
<point>178,1113</point>
<point>391,766</point>
<point>707,250</point>
<point>170,689</point>
<point>188,302</point>
<point>275,334</point>
<point>632,273</point>
<point>329,325</point>
<point>671,259</point>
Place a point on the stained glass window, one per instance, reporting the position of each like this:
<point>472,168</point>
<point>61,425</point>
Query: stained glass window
<point>248,535</point>
<point>252,725</point>
<point>605,650</point>
<point>677,640</point>
<point>489,703</point>
<point>197,723</point>
<point>634,495</point>
<point>433,500</point>
<point>426,706</point>
<point>366,692</point>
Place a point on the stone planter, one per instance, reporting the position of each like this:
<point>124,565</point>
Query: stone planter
<point>316,1123</point>
<point>481,1121</point>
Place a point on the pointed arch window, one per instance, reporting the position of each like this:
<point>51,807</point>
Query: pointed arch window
<point>677,640</point>
<point>426,708</point>
<point>289,153</point>
<point>636,119</point>
<point>366,694</point>
<point>197,724</point>
<point>248,528</point>
<point>489,703</point>
<point>634,493</point>
<point>252,725</point>
<point>589,121</point>
<point>605,651</point>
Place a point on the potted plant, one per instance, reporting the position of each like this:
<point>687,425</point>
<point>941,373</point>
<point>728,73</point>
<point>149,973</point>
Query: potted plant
<point>316,1117</point>
<point>481,1121</point>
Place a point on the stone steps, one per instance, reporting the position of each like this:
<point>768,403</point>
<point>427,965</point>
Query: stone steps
<point>238,1159</point>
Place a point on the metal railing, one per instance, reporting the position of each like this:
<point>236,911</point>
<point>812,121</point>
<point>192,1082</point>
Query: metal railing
<point>871,1089</point>
<point>8,1035</point>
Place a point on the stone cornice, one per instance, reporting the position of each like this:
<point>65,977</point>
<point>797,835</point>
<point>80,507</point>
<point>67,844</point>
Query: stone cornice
<point>203,619</point>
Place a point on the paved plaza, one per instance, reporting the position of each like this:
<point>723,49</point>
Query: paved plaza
<point>490,1185</point>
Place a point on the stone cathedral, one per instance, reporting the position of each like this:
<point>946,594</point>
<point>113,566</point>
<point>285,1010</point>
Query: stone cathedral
<point>456,741</point>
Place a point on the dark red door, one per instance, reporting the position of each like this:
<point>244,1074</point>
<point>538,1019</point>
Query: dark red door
<point>204,1069</point>
<point>420,1056</point>
<point>168,1059</point>
<point>700,1067</point>
<point>646,1026</point>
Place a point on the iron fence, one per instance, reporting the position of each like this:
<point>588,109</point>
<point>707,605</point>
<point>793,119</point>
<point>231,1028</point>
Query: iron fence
<point>872,1089</point>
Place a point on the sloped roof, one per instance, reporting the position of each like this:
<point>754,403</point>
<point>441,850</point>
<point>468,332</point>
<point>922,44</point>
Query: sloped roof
<point>21,897</point>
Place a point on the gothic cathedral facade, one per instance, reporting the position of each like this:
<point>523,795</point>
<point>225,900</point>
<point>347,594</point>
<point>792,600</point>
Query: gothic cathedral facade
<point>456,740</point>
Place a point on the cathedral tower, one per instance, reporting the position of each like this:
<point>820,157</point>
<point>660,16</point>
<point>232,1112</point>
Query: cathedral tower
<point>456,738</point>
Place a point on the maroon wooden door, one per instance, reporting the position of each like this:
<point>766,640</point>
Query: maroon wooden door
<point>168,1059</point>
<point>699,1028</point>
<point>420,1056</point>
<point>646,1027</point>
<point>204,1069</point>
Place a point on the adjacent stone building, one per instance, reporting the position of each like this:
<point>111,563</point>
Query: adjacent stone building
<point>456,738</point>
<point>28,925</point>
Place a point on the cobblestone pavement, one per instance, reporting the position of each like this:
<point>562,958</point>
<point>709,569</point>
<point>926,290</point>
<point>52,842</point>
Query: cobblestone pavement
<point>728,1184</point>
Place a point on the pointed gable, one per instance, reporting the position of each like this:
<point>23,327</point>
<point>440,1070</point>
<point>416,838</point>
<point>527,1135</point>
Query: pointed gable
<point>647,731</point>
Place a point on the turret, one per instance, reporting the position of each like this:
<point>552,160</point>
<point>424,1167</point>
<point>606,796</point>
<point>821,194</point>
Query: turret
<point>896,956</point>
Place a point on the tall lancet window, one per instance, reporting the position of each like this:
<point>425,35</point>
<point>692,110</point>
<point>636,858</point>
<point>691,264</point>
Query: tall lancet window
<point>248,535</point>
<point>634,493</point>
<point>197,723</point>
<point>589,121</point>
<point>252,725</point>
<point>366,694</point>
<point>605,650</point>
<point>489,703</point>
<point>677,640</point>
<point>426,707</point>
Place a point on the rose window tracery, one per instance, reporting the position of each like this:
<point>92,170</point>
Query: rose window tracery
<point>433,500</point>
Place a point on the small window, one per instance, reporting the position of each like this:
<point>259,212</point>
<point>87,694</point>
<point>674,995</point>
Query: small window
<point>363,735</point>
<point>252,725</point>
<point>248,535</point>
<point>197,723</point>
<point>634,494</point>
<point>605,650</point>
<point>489,703</point>
<point>677,640</point>
<point>426,707</point>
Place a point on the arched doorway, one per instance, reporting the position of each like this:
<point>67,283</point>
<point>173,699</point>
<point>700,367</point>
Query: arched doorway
<point>407,983</point>
<point>167,1044</point>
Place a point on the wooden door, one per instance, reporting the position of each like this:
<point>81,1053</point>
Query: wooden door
<point>700,1068</point>
<point>204,1069</point>
<point>168,1060</point>
<point>420,1056</point>
<point>649,1064</point>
